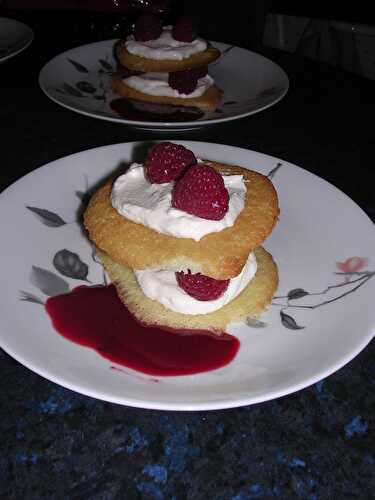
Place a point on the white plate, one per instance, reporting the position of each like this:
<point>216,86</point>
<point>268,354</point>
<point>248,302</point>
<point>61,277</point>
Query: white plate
<point>79,79</point>
<point>319,226</point>
<point>14,38</point>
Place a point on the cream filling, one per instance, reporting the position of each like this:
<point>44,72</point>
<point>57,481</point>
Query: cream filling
<point>165,47</point>
<point>135,198</point>
<point>161,285</point>
<point>157,84</point>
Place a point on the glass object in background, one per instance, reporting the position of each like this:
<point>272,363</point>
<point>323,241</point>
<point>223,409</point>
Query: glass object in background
<point>87,21</point>
<point>349,40</point>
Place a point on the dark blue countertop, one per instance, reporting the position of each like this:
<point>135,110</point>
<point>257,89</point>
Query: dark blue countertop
<point>315,444</point>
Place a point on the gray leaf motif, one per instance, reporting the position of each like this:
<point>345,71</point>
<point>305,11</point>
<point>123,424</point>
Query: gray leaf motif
<point>106,65</point>
<point>79,67</point>
<point>86,87</point>
<point>297,293</point>
<point>270,91</point>
<point>47,217</point>
<point>30,297</point>
<point>289,322</point>
<point>272,172</point>
<point>69,264</point>
<point>48,282</point>
<point>72,90</point>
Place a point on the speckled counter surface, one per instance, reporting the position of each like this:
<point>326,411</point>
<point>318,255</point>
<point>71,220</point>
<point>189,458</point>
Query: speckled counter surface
<point>314,444</point>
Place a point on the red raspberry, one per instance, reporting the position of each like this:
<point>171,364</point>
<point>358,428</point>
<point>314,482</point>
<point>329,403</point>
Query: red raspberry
<point>183,81</point>
<point>147,27</point>
<point>201,192</point>
<point>201,287</point>
<point>183,30</point>
<point>166,161</point>
<point>199,72</point>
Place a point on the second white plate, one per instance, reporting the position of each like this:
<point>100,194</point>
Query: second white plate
<point>14,38</point>
<point>79,79</point>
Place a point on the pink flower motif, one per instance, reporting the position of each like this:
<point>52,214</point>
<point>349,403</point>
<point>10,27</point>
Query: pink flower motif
<point>352,265</point>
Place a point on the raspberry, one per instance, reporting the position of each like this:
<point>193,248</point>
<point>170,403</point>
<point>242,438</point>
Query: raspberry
<point>166,161</point>
<point>183,30</point>
<point>201,192</point>
<point>183,81</point>
<point>199,72</point>
<point>201,287</point>
<point>147,27</point>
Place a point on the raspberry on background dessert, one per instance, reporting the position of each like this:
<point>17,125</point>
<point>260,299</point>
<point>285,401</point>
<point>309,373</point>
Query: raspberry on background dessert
<point>148,49</point>
<point>175,268</point>
<point>148,27</point>
<point>166,65</point>
<point>183,30</point>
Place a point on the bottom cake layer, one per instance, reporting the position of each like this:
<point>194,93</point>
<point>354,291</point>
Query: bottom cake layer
<point>209,100</point>
<point>251,302</point>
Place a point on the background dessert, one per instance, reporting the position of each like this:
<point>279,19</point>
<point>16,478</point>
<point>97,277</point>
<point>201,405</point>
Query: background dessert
<point>166,65</point>
<point>155,253</point>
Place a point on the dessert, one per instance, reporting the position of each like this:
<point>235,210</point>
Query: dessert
<point>166,65</point>
<point>180,239</point>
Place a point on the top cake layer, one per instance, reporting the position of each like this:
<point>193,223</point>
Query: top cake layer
<point>165,46</point>
<point>137,62</point>
<point>156,48</point>
<point>220,255</point>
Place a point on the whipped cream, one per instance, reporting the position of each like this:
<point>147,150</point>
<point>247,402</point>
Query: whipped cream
<point>161,285</point>
<point>165,47</point>
<point>157,84</point>
<point>134,197</point>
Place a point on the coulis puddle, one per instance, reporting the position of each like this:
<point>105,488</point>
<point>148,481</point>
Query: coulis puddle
<point>130,110</point>
<point>95,317</point>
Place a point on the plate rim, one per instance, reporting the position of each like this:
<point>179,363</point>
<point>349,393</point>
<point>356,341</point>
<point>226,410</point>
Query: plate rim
<point>31,36</point>
<point>217,404</point>
<point>167,126</point>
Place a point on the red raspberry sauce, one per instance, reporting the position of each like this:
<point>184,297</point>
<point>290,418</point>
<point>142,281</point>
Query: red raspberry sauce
<point>95,317</point>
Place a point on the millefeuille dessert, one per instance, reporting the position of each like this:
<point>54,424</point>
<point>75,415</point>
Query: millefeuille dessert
<point>166,65</point>
<point>180,239</point>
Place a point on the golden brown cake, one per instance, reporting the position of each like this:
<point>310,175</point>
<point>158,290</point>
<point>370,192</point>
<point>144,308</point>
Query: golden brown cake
<point>209,100</point>
<point>137,63</point>
<point>172,280</point>
<point>251,302</point>
<point>220,255</point>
